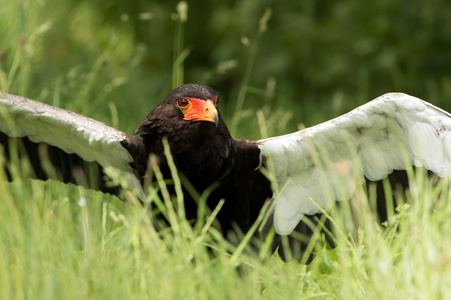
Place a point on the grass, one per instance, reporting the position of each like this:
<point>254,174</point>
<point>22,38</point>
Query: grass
<point>60,241</point>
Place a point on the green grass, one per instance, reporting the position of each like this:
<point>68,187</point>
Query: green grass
<point>61,241</point>
<point>99,58</point>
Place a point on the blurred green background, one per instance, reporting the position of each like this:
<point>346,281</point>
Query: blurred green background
<point>115,60</point>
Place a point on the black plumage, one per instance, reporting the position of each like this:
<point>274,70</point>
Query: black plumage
<point>205,154</point>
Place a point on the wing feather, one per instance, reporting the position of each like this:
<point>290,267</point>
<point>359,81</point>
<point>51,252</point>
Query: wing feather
<point>91,140</point>
<point>73,133</point>
<point>322,164</point>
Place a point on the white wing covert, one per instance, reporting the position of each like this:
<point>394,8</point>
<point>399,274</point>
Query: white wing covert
<point>72,133</point>
<point>323,163</point>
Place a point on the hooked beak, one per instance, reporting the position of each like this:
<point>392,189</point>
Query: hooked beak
<point>201,110</point>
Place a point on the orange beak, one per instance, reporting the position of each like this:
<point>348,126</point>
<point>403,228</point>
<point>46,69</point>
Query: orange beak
<point>200,110</point>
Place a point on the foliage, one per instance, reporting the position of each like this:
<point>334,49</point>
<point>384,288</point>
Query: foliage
<point>317,59</point>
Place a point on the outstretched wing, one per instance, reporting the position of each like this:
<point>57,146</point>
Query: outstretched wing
<point>88,139</point>
<point>323,163</point>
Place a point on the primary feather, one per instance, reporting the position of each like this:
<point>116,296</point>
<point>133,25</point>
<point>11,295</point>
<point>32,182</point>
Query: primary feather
<point>88,139</point>
<point>73,133</point>
<point>322,164</point>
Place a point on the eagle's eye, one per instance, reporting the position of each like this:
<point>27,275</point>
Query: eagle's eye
<point>182,103</point>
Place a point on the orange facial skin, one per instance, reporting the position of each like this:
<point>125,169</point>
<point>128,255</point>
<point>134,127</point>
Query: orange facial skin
<point>195,109</point>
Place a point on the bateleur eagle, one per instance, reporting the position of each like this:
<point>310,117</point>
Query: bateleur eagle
<point>311,168</point>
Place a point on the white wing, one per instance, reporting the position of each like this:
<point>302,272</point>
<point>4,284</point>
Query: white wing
<point>72,133</point>
<point>317,165</point>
